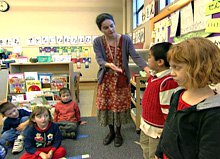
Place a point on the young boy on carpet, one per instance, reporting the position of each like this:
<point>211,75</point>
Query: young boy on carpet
<point>43,137</point>
<point>13,126</point>
<point>67,114</point>
<point>156,97</point>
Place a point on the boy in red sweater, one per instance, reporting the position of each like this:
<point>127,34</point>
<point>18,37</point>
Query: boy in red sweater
<point>67,114</point>
<point>156,98</point>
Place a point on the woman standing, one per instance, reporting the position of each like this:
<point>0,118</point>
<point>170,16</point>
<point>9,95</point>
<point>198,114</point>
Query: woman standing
<point>114,91</point>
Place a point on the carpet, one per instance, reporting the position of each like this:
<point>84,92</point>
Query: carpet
<point>86,102</point>
<point>91,143</point>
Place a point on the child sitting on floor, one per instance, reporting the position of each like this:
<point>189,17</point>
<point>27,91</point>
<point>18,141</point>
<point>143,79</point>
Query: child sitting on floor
<point>15,122</point>
<point>67,114</point>
<point>42,136</point>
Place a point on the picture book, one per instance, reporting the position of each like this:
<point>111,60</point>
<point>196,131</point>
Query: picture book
<point>39,100</point>
<point>16,83</point>
<point>59,81</point>
<point>30,75</point>
<point>54,93</point>
<point>45,79</point>
<point>31,95</point>
<point>17,98</point>
<point>33,85</point>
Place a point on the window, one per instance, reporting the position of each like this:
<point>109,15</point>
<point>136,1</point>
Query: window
<point>164,3</point>
<point>138,6</point>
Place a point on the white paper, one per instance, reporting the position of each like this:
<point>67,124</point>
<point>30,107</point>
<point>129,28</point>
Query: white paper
<point>174,17</point>
<point>200,19</point>
<point>186,19</point>
<point>161,31</point>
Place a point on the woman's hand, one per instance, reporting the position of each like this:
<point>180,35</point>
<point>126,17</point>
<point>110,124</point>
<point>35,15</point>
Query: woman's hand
<point>147,70</point>
<point>114,67</point>
<point>83,123</point>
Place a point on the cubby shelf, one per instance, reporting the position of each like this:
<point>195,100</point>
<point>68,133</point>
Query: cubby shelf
<point>136,114</point>
<point>52,67</point>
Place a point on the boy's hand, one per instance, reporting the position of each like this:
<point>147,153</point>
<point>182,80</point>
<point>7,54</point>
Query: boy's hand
<point>22,126</point>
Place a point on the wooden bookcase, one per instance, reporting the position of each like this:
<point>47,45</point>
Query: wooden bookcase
<point>136,115</point>
<point>52,67</point>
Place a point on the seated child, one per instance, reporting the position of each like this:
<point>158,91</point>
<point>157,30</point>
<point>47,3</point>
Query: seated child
<point>15,122</point>
<point>67,114</point>
<point>42,137</point>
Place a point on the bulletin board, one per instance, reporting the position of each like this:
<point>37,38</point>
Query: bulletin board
<point>186,19</point>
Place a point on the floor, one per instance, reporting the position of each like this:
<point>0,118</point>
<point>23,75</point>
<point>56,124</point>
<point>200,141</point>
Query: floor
<point>87,96</point>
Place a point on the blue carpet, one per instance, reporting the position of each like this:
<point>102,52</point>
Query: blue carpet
<point>90,142</point>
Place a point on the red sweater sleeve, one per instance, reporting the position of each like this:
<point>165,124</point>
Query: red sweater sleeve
<point>55,114</point>
<point>77,111</point>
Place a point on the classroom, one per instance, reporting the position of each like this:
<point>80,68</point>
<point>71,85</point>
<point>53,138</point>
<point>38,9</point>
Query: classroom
<point>104,54</point>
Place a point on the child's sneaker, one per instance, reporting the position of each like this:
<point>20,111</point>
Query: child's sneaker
<point>3,151</point>
<point>18,145</point>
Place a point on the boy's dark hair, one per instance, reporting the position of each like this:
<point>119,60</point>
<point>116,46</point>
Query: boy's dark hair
<point>101,17</point>
<point>159,51</point>
<point>64,90</point>
<point>5,106</point>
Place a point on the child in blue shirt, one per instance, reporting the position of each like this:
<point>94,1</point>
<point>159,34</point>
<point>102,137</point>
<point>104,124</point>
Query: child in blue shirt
<point>15,122</point>
<point>42,136</point>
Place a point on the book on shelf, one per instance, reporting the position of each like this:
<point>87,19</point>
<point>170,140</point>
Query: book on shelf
<point>17,98</point>
<point>33,85</point>
<point>31,75</point>
<point>45,79</point>
<point>16,83</point>
<point>39,100</point>
<point>59,81</point>
<point>31,95</point>
<point>54,93</point>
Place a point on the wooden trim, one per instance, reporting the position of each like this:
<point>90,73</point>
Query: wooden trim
<point>168,10</point>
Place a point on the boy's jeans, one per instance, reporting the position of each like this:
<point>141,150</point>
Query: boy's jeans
<point>12,134</point>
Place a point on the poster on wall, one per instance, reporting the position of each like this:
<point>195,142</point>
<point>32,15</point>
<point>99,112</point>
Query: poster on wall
<point>149,11</point>
<point>212,7</point>
<point>213,26</point>
<point>186,14</point>
<point>200,19</point>
<point>174,18</point>
<point>161,30</point>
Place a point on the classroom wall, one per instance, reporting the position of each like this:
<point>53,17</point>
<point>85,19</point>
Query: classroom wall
<point>28,18</point>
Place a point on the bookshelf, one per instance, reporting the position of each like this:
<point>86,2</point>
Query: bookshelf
<point>52,67</point>
<point>4,84</point>
<point>136,112</point>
